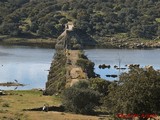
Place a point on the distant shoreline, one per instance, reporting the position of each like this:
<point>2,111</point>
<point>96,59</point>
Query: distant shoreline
<point>102,42</point>
<point>9,84</point>
<point>35,42</point>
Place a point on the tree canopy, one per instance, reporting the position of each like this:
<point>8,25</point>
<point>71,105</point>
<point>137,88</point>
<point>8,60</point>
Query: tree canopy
<point>137,92</point>
<point>80,98</point>
<point>137,18</point>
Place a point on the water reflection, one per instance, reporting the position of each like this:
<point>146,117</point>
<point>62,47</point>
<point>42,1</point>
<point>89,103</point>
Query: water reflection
<point>25,64</point>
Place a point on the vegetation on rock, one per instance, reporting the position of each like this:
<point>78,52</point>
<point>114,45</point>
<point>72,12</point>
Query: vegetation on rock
<point>57,74</point>
<point>86,65</point>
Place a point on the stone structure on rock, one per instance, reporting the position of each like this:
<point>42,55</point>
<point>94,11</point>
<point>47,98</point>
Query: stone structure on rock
<point>67,68</point>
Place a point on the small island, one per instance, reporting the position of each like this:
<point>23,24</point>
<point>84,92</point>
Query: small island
<point>8,84</point>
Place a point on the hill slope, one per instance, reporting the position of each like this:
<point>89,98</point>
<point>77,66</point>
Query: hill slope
<point>46,18</point>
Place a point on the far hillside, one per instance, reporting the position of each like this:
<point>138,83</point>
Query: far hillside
<point>102,18</point>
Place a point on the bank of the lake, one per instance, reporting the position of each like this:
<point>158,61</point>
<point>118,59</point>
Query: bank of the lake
<point>35,42</point>
<point>116,41</point>
<point>120,41</point>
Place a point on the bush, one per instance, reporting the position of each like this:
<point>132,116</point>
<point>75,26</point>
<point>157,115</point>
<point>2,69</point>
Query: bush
<point>87,66</point>
<point>80,98</point>
<point>5,105</point>
<point>136,92</point>
<point>100,85</point>
<point>63,21</point>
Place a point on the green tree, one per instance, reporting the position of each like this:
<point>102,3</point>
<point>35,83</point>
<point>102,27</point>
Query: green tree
<point>87,66</point>
<point>47,29</point>
<point>59,27</point>
<point>136,31</point>
<point>95,17</point>
<point>80,98</point>
<point>63,21</point>
<point>136,92</point>
<point>100,85</point>
<point>34,27</point>
<point>73,14</point>
<point>1,19</point>
<point>10,29</point>
<point>65,7</point>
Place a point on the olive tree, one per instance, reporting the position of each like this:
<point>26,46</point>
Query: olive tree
<point>136,92</point>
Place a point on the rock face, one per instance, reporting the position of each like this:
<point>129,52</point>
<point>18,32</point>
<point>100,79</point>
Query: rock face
<point>74,39</point>
<point>68,40</point>
<point>57,74</point>
<point>70,65</point>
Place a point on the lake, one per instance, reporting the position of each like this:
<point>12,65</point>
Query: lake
<point>27,65</point>
<point>122,57</point>
<point>30,65</point>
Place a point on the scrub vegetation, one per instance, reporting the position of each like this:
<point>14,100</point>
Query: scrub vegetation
<point>100,19</point>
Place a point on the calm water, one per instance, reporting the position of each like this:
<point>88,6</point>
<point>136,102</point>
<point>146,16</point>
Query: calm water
<point>29,65</point>
<point>123,56</point>
<point>26,65</point>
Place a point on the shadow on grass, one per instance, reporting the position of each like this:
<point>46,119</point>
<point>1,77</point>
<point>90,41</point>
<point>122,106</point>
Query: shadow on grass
<point>61,108</point>
<point>50,108</point>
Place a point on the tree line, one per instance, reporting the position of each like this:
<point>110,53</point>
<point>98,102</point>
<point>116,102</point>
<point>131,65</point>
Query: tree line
<point>135,93</point>
<point>46,18</point>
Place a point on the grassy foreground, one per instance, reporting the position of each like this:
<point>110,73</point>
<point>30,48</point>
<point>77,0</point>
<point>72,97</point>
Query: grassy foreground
<point>12,105</point>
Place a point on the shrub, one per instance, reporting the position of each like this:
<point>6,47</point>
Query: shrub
<point>100,85</point>
<point>80,98</point>
<point>137,92</point>
<point>87,66</point>
<point>5,105</point>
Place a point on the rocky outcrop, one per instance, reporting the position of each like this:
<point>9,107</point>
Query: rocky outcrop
<point>70,65</point>
<point>74,39</point>
<point>57,74</point>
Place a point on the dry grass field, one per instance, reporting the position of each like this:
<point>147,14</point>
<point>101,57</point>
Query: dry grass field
<point>12,107</point>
